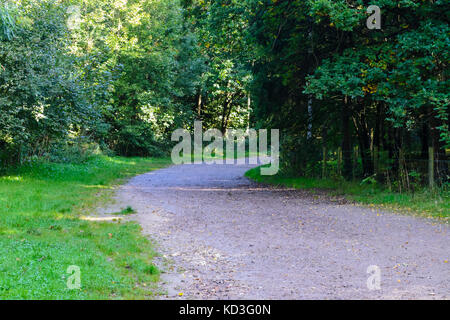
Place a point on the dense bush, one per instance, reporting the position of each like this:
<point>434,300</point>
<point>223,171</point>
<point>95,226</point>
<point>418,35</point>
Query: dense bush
<point>110,71</point>
<point>42,100</point>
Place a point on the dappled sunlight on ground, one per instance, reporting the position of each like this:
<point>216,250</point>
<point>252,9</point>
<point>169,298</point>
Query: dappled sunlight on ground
<point>102,219</point>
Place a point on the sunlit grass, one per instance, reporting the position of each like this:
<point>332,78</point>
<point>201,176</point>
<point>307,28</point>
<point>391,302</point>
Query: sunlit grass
<point>41,233</point>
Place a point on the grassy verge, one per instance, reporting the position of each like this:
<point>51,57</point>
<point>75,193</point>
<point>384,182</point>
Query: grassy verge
<point>41,234</point>
<point>425,203</point>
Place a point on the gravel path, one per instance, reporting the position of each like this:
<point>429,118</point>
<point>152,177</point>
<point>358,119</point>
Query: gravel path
<point>225,237</point>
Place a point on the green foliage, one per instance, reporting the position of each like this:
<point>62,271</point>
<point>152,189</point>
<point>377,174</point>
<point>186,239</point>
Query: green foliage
<point>6,23</point>
<point>224,85</point>
<point>119,73</point>
<point>326,80</point>
<point>125,74</point>
<point>144,48</point>
<point>77,151</point>
<point>127,211</point>
<point>41,98</point>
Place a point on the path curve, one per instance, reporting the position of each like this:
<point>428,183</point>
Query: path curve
<point>225,237</point>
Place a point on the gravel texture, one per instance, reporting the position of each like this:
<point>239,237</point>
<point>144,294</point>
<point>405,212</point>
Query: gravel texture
<point>222,236</point>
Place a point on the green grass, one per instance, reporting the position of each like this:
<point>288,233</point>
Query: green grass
<point>127,211</point>
<point>41,233</point>
<point>424,203</point>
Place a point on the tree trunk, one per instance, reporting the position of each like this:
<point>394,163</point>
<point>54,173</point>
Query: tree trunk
<point>346,143</point>
<point>424,140</point>
<point>363,134</point>
<point>440,157</point>
<point>199,104</point>
<point>226,113</point>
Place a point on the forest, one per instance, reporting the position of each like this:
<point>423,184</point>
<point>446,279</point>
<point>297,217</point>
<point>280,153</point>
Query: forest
<point>118,77</point>
<point>92,206</point>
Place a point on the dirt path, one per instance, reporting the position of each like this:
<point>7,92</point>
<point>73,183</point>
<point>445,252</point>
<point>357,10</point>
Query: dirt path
<point>225,237</point>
